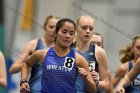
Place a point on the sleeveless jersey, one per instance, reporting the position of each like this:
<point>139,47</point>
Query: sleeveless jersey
<point>36,72</point>
<point>59,73</point>
<point>89,55</point>
<point>135,85</point>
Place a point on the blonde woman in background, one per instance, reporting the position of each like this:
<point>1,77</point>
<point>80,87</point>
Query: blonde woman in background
<point>37,44</point>
<point>95,55</point>
<point>129,57</point>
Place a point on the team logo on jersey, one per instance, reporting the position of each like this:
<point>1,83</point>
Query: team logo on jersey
<point>69,62</point>
<point>90,53</point>
<point>136,83</point>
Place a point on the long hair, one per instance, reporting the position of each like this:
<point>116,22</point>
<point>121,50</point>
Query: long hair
<point>127,53</point>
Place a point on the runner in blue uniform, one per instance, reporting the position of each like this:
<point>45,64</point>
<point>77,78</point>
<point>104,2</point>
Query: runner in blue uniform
<point>95,55</point>
<point>36,73</point>
<point>131,81</point>
<point>37,44</point>
<point>60,64</point>
<point>97,39</point>
<point>135,85</point>
<point>131,56</point>
<point>89,56</point>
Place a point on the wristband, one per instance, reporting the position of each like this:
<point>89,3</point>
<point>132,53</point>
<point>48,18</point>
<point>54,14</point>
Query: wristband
<point>23,81</point>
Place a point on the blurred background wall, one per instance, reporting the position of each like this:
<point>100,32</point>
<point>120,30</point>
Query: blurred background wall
<point>117,20</point>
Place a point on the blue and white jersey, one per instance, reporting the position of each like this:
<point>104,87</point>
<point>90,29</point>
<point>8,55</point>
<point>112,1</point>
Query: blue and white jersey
<point>36,72</point>
<point>89,55</point>
<point>135,85</point>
